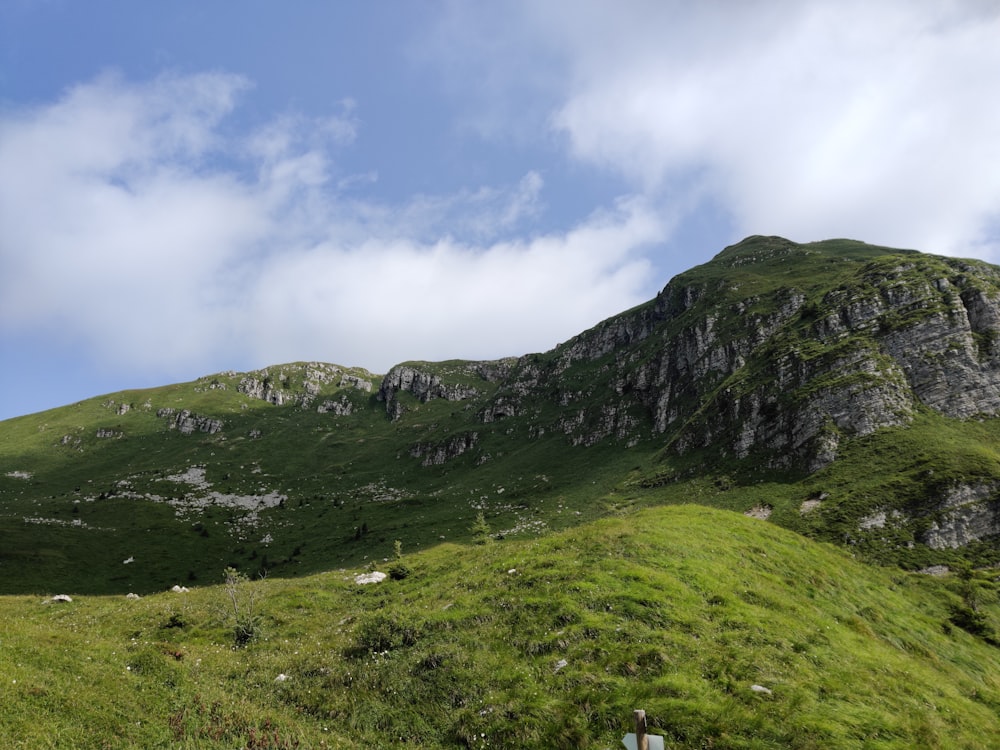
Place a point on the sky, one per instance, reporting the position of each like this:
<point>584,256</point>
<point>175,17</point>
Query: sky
<point>191,187</point>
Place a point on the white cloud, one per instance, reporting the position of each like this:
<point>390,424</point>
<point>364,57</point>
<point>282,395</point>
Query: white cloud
<point>482,215</point>
<point>828,118</point>
<point>131,220</point>
<point>387,299</point>
<point>110,225</point>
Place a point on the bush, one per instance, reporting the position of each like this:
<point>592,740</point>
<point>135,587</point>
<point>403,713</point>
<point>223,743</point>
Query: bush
<point>481,529</point>
<point>398,571</point>
<point>971,621</point>
<point>247,624</point>
<point>381,633</point>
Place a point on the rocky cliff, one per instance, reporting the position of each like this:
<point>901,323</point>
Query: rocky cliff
<point>778,350</point>
<point>773,354</point>
<point>451,381</point>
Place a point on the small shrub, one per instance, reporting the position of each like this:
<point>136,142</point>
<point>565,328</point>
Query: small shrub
<point>480,529</point>
<point>970,620</point>
<point>247,624</point>
<point>974,591</point>
<point>398,571</point>
<point>382,633</point>
<point>175,620</point>
<point>246,630</point>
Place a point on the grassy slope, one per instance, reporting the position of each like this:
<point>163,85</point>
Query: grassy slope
<point>342,475</point>
<point>675,610</point>
<point>907,470</point>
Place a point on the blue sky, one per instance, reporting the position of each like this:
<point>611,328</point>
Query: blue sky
<point>191,187</point>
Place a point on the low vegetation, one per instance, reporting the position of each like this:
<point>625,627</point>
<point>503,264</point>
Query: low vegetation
<point>728,631</point>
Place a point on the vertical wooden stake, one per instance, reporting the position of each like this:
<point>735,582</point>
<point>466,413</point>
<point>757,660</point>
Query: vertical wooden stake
<point>641,742</point>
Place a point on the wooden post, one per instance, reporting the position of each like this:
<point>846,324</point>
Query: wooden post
<point>641,742</point>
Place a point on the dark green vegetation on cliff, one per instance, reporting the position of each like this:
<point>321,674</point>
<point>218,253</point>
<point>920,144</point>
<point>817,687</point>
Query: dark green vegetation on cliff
<point>845,392</point>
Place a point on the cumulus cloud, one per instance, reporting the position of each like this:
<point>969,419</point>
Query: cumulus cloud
<point>813,119</point>
<point>134,220</point>
<point>831,118</point>
<point>404,299</point>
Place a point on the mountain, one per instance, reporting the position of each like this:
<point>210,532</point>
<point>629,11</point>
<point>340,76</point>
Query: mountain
<point>675,511</point>
<point>845,391</point>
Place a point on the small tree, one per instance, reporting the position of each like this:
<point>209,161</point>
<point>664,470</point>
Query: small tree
<point>480,529</point>
<point>398,570</point>
<point>974,589</point>
<point>243,599</point>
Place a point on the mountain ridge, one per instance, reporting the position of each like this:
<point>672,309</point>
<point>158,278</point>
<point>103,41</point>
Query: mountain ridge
<point>758,380</point>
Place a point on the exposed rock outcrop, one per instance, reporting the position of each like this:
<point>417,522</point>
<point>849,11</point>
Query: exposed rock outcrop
<point>782,371</point>
<point>119,409</point>
<point>339,408</point>
<point>968,513</point>
<point>420,384</point>
<point>262,388</point>
<point>435,454</point>
<point>299,384</point>
<point>353,381</point>
<point>187,423</point>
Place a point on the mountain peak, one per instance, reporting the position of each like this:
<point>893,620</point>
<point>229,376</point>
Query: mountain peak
<point>759,249</point>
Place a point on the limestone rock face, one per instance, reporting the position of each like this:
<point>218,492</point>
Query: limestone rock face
<point>300,384</point>
<point>435,454</point>
<point>353,381</point>
<point>968,513</point>
<point>420,384</point>
<point>722,362</point>
<point>262,389</point>
<point>187,423</point>
<point>339,408</point>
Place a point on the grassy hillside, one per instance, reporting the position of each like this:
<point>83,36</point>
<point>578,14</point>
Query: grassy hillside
<point>290,491</point>
<point>279,488</point>
<point>550,642</point>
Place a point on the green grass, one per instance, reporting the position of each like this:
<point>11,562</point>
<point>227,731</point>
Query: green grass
<point>677,610</point>
<point>350,485</point>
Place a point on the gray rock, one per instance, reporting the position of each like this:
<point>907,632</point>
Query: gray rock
<point>187,423</point>
<point>736,381</point>
<point>423,385</point>
<point>353,381</point>
<point>968,514</point>
<point>262,388</point>
<point>339,408</point>
<point>435,454</point>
